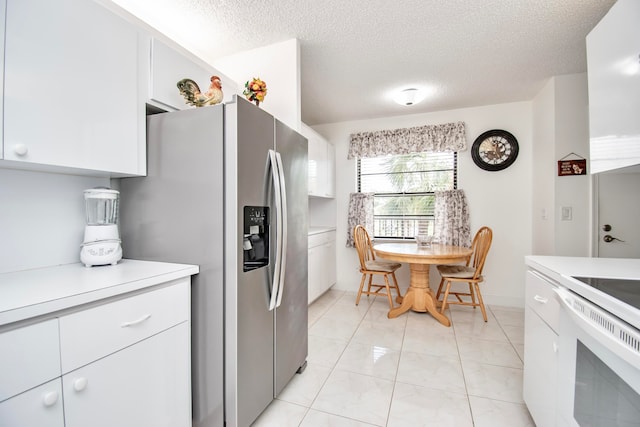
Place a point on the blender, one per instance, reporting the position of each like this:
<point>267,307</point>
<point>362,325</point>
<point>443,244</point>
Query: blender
<point>101,244</point>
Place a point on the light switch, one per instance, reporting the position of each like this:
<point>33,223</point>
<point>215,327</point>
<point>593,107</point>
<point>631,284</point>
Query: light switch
<point>567,213</point>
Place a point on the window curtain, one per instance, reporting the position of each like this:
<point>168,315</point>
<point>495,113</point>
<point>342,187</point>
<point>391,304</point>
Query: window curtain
<point>452,225</point>
<point>360,212</point>
<point>434,138</point>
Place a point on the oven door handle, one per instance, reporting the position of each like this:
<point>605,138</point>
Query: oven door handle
<point>614,334</point>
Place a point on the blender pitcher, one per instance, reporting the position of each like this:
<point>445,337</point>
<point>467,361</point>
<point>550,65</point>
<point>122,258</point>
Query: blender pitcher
<point>101,244</point>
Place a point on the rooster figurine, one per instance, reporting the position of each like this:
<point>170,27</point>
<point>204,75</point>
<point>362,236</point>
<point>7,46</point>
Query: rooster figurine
<point>192,95</point>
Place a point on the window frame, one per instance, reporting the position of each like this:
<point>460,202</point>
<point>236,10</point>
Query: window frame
<point>429,218</point>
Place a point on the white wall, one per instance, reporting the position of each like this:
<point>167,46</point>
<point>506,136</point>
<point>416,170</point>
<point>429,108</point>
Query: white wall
<point>278,65</point>
<point>561,127</point>
<point>500,200</point>
<point>572,238</point>
<point>543,170</point>
<point>42,218</point>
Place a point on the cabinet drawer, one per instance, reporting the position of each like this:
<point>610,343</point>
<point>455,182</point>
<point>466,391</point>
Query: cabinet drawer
<point>321,238</point>
<point>29,356</point>
<point>96,332</point>
<point>540,297</point>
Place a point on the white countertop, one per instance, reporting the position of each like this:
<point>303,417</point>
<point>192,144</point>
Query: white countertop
<point>31,293</point>
<point>616,268</point>
<point>561,270</point>
<point>324,229</point>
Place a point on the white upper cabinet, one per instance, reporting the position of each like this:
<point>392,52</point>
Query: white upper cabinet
<point>321,164</point>
<point>3,7</point>
<point>169,66</point>
<point>71,88</point>
<point>613,63</point>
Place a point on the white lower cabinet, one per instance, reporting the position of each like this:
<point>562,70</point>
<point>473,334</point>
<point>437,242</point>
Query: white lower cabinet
<point>124,362</point>
<point>147,384</point>
<point>322,263</point>
<point>540,350</point>
<point>38,407</point>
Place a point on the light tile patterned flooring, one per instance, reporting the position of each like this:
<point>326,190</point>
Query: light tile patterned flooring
<point>366,370</point>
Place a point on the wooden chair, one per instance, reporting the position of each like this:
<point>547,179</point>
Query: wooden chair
<point>370,266</point>
<point>470,273</point>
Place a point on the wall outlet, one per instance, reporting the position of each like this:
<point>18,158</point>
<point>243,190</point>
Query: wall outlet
<point>566,214</point>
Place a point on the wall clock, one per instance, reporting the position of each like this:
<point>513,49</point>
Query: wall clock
<point>494,150</point>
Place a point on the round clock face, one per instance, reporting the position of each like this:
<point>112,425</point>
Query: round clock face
<point>495,150</point>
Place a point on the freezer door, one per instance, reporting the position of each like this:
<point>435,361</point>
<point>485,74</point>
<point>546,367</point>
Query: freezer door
<point>292,315</point>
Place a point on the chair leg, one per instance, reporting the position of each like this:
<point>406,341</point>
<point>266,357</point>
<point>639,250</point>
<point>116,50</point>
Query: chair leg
<point>446,295</point>
<point>473,295</point>
<point>386,283</point>
<point>360,290</point>
<point>395,283</point>
<point>370,282</point>
<point>484,312</point>
<point>439,289</point>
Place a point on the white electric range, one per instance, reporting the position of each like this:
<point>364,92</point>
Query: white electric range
<point>598,349</point>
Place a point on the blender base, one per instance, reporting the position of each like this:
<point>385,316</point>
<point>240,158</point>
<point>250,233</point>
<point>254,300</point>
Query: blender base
<point>101,253</point>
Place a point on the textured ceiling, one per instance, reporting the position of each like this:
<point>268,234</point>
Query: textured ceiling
<point>355,53</point>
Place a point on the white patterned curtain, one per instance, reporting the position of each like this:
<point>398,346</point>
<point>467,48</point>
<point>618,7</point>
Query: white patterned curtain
<point>452,225</point>
<point>434,138</point>
<point>360,213</point>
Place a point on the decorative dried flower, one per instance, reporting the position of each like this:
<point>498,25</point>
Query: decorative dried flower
<point>255,90</point>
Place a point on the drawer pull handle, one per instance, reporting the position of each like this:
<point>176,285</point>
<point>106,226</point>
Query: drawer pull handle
<point>50,399</point>
<point>135,322</point>
<point>80,384</point>
<point>541,299</point>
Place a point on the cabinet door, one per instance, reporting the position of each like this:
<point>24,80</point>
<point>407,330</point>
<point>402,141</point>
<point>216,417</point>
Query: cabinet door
<point>29,356</point>
<point>169,66</point>
<point>330,259</point>
<point>147,384</point>
<point>38,407</point>
<point>614,88</point>
<point>540,369</point>
<point>71,87</point>
<point>317,167</point>
<point>316,271</point>
<point>3,7</point>
<point>331,171</point>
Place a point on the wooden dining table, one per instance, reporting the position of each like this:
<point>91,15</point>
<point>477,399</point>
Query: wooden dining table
<point>419,296</point>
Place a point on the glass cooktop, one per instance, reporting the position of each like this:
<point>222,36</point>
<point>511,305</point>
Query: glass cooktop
<point>627,291</point>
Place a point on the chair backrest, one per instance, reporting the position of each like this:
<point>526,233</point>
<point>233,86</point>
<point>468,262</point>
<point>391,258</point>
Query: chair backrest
<point>481,244</point>
<point>362,242</point>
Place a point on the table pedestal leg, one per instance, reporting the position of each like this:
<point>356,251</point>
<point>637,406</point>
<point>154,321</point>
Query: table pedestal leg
<point>419,296</point>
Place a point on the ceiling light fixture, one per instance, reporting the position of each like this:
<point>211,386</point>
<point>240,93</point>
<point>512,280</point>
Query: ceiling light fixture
<point>410,96</point>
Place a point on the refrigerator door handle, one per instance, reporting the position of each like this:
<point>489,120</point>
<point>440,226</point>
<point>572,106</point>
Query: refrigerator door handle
<point>275,283</point>
<point>283,223</point>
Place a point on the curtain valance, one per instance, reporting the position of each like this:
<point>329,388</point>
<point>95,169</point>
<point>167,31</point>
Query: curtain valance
<point>434,138</point>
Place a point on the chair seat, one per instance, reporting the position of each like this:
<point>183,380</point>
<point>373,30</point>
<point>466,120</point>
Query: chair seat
<point>456,271</point>
<point>386,266</point>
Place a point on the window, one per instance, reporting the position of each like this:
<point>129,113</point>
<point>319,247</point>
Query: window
<point>403,187</point>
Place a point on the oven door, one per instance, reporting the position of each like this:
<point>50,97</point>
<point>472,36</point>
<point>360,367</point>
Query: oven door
<point>599,366</point>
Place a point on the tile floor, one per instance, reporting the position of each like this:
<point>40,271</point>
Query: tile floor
<point>366,370</point>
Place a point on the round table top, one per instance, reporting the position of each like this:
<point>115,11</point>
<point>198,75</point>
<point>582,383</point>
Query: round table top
<point>414,254</point>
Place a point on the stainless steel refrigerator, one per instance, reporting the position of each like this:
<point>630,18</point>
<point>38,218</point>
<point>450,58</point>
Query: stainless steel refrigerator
<point>226,189</point>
